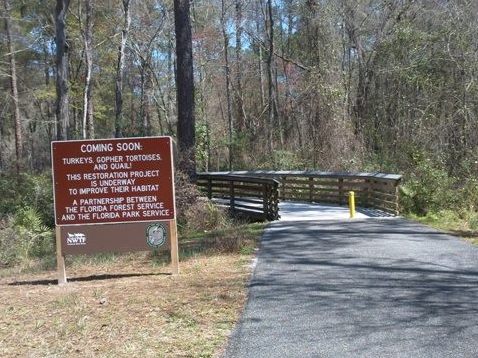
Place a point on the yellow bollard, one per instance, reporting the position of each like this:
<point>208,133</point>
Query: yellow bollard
<point>352,204</point>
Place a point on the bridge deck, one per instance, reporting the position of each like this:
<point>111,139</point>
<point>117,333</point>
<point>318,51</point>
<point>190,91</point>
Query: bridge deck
<point>295,211</point>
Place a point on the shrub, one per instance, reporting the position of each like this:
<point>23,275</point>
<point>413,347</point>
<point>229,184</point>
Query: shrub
<point>470,195</point>
<point>204,215</point>
<point>8,244</point>
<point>195,213</point>
<point>186,196</point>
<point>281,160</point>
<point>473,222</point>
<point>428,188</point>
<point>33,191</point>
<point>36,238</point>
<point>24,236</point>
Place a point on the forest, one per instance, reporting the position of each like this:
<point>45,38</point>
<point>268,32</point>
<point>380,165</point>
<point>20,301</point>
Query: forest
<point>352,85</point>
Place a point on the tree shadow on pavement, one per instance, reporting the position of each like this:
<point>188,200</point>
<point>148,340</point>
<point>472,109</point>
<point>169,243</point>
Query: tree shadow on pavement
<point>372,283</point>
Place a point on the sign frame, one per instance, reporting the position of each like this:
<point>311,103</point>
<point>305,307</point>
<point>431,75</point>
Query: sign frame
<point>170,221</point>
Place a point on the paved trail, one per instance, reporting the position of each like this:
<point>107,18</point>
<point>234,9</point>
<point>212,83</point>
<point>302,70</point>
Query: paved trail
<point>376,287</point>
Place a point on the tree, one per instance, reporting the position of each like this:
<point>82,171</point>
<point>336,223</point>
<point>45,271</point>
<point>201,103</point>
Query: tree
<point>270,81</point>
<point>329,84</point>
<point>240,112</point>
<point>185,87</point>
<point>227,75</point>
<point>88,128</point>
<point>62,96</point>
<point>120,71</point>
<point>13,87</point>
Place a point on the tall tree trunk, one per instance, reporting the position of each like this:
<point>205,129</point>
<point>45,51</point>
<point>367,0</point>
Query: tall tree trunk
<point>288,112</point>
<point>120,71</point>
<point>87,123</point>
<point>227,74</point>
<point>49,108</point>
<point>280,125</point>
<point>14,88</point>
<point>2,141</point>
<point>62,96</point>
<point>170,88</point>
<point>204,113</point>
<point>270,84</point>
<point>185,87</point>
<point>261,78</point>
<point>259,9</point>
<point>141,126</point>
<point>144,125</point>
<point>148,88</point>
<point>277,116</point>
<point>240,111</point>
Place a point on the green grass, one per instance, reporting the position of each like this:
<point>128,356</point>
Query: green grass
<point>247,230</point>
<point>459,223</point>
<point>240,238</point>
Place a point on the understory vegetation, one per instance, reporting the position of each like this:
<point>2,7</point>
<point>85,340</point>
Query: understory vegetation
<point>340,85</point>
<point>433,196</point>
<point>427,194</point>
<point>27,239</point>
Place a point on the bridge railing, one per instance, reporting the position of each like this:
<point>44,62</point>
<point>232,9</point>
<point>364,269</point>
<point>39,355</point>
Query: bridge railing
<point>254,196</point>
<point>372,190</point>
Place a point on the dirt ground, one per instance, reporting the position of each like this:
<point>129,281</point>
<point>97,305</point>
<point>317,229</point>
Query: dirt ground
<point>128,307</point>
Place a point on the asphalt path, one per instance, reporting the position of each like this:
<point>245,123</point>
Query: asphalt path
<point>376,287</point>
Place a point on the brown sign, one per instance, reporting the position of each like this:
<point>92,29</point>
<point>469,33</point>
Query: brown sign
<point>113,180</point>
<point>85,239</point>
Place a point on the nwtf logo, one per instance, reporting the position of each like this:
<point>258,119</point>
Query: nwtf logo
<point>75,239</point>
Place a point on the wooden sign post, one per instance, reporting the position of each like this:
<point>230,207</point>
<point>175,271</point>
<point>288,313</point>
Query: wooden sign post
<point>114,195</point>
<point>60,259</point>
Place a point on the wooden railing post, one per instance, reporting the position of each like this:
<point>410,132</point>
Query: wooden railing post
<point>373,194</point>
<point>231,195</point>
<point>265,201</point>
<point>209,188</point>
<point>311,188</point>
<point>271,202</point>
<point>367,193</point>
<point>276,201</point>
<point>284,187</point>
<point>397,198</point>
<point>341,191</point>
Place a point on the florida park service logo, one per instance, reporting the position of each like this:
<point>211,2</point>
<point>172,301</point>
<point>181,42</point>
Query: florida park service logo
<point>156,235</point>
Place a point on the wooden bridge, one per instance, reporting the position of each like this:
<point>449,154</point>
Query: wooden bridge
<point>257,193</point>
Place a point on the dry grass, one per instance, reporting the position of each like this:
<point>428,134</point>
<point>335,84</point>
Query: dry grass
<point>127,307</point>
